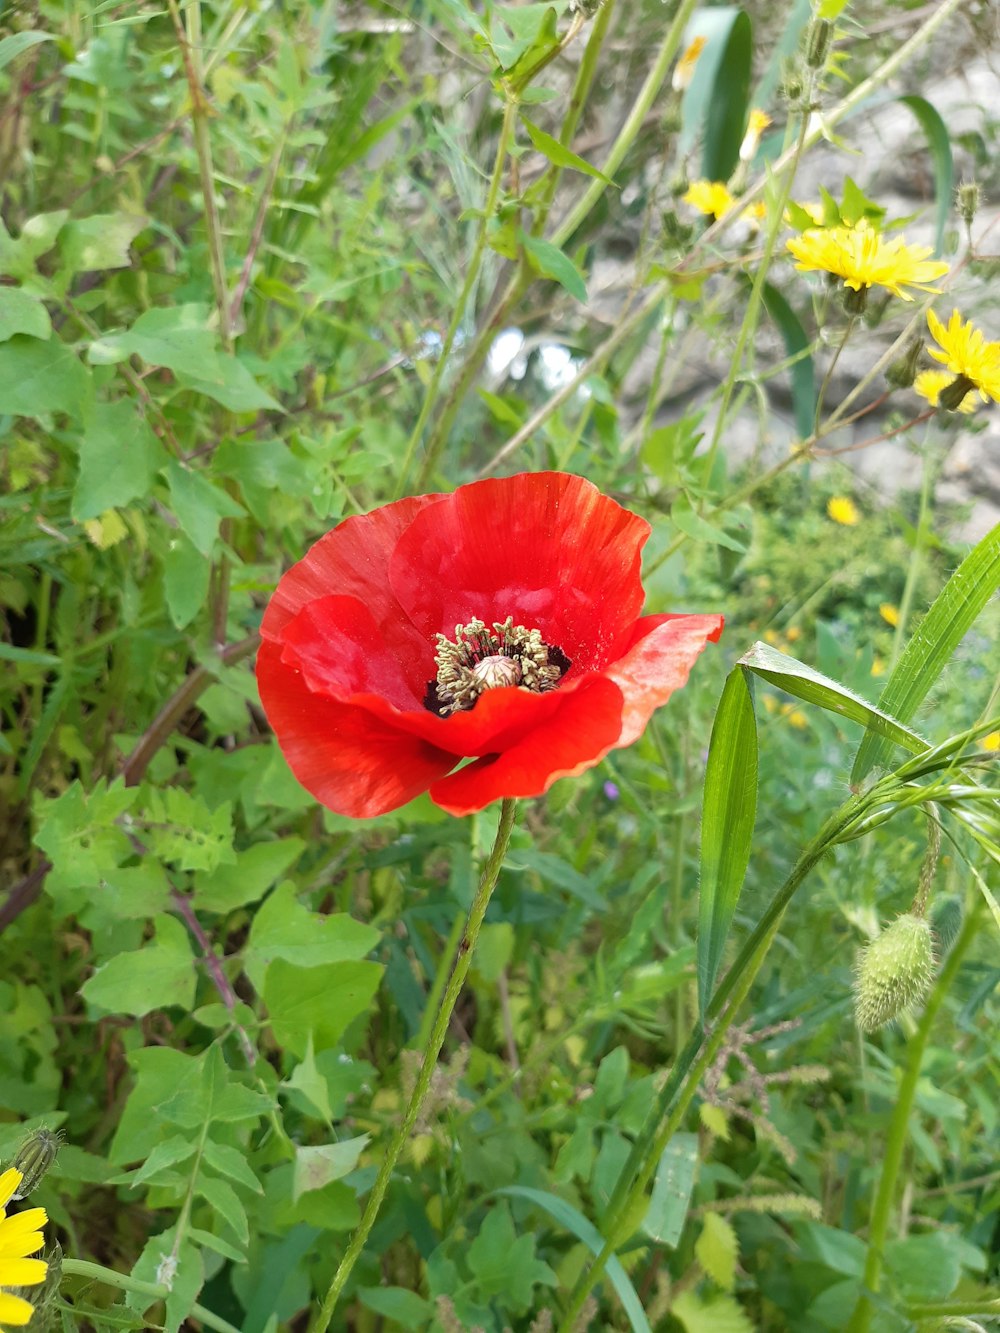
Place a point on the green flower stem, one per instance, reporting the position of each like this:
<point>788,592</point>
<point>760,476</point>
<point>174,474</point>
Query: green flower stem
<point>472,272</point>
<point>954,1309</point>
<point>477,912</point>
<point>154,1290</point>
<point>916,555</point>
<point>697,1056</point>
<point>895,1144</point>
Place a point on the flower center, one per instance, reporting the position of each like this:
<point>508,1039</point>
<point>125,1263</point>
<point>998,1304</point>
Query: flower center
<point>480,658</point>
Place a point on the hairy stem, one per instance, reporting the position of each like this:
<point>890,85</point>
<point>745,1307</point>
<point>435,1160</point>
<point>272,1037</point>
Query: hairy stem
<point>431,1051</point>
<point>154,1290</point>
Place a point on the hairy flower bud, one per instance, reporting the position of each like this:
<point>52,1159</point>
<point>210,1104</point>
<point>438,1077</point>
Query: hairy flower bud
<point>903,372</point>
<point>34,1157</point>
<point>893,972</point>
<point>818,43</point>
<point>968,197</point>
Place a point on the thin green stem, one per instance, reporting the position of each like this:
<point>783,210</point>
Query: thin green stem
<point>917,554</point>
<point>821,396</point>
<point>472,272</point>
<point>954,1309</point>
<point>477,912</point>
<point>154,1290</point>
<point>696,1057</point>
<point>896,1139</point>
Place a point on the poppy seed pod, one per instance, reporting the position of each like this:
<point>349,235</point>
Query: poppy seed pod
<point>894,972</point>
<point>499,624</point>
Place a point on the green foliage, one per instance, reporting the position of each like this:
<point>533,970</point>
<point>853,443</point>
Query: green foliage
<point>252,278</point>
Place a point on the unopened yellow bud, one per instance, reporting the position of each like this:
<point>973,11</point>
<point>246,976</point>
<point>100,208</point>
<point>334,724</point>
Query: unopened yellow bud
<point>894,972</point>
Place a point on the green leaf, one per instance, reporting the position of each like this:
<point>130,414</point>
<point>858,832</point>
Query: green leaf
<point>248,878</point>
<point>157,976</point>
<point>199,505</point>
<point>22,312</point>
<point>177,337</point>
<point>559,154</point>
<point>163,1158</point>
<point>12,47</point>
<point>577,1225</point>
<point>727,822</point>
<point>504,1262</point>
<point>717,1250</point>
<point>284,928</point>
<point>671,1196</point>
<point>796,341</point>
<point>38,378</point>
<point>805,683</point>
<point>929,650</point>
<point>716,103</point>
<point>939,143</point>
<point>551,262</point>
<point>224,1201</point>
<point>185,580</point>
<point>181,828</point>
<point>398,1304</point>
<point>683,516</point>
<point>317,1165</point>
<point>230,383</point>
<point>229,1162</point>
<point>710,1314</point>
<point>119,457</point>
<point>99,242</point>
<point>318,1000</point>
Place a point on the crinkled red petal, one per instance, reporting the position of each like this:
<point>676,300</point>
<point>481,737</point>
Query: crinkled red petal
<point>352,560</point>
<point>574,738</point>
<point>658,661</point>
<point>347,757</point>
<point>341,651</point>
<point>546,548</point>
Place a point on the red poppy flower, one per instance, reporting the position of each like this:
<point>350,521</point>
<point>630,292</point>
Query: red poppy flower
<point>499,624</point>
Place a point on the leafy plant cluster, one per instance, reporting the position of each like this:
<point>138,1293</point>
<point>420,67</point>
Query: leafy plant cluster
<point>254,262</point>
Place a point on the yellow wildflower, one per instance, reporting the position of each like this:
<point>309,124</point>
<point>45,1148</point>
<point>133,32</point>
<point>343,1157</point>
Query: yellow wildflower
<point>684,69</point>
<point>963,349</point>
<point>20,1236</point>
<point>863,259</point>
<point>929,384</point>
<point>878,666</point>
<point>889,613</point>
<point>843,510</point>
<point>795,717</point>
<point>757,124</point>
<point>709,197</point>
<point>793,634</point>
<point>991,741</point>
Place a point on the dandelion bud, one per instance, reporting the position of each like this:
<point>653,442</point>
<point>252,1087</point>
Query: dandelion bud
<point>953,395</point>
<point>969,197</point>
<point>855,302</point>
<point>34,1157</point>
<point>818,43</point>
<point>903,372</point>
<point>893,972</point>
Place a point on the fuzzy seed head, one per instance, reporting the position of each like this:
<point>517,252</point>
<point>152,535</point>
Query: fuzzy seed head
<point>894,972</point>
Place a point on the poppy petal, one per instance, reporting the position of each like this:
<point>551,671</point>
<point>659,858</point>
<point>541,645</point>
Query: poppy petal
<point>352,560</point>
<point>663,651</point>
<point>340,650</point>
<point>352,761</point>
<point>575,737</point>
<point>546,548</point>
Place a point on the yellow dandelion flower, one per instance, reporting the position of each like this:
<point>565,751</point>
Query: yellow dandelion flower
<point>684,69</point>
<point>963,349</point>
<point>797,719</point>
<point>889,613</point>
<point>709,197</point>
<point>930,383</point>
<point>878,666</point>
<point>843,510</point>
<point>772,637</point>
<point>991,741</point>
<point>20,1236</point>
<point>757,124</point>
<point>863,259</point>
<point>793,634</point>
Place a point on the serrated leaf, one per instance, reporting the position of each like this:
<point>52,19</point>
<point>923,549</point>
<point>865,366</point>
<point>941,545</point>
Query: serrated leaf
<point>729,811</point>
<point>38,378</point>
<point>119,457</point>
<point>181,828</point>
<point>185,580</point>
<point>318,1165</point>
<point>552,262</point>
<point>930,648</point>
<point>22,312</point>
<point>284,928</point>
<point>559,154</point>
<point>99,242</point>
<point>805,683</point>
<point>671,1196</point>
<point>710,1314</point>
<point>717,1250</point>
<point>157,976</point>
<point>322,1001</point>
